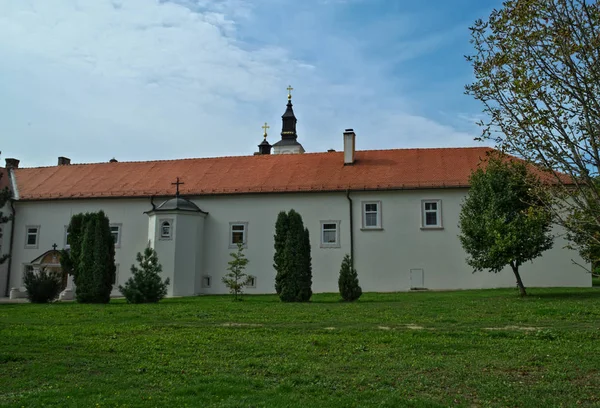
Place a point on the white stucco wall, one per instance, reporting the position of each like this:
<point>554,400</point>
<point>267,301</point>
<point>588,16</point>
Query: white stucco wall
<point>383,257</point>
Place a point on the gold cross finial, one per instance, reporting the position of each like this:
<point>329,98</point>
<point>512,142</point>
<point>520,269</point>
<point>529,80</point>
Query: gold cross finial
<point>265,127</point>
<point>290,89</point>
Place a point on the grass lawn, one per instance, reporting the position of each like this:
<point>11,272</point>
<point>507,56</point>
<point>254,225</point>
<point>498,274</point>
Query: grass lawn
<point>471,348</point>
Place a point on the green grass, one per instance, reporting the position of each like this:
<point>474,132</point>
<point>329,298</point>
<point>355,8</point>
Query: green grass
<point>471,348</point>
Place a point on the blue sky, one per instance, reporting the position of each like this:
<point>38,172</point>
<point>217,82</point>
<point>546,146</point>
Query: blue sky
<point>148,79</point>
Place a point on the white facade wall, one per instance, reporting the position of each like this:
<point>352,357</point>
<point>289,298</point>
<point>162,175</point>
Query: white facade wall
<point>384,258</point>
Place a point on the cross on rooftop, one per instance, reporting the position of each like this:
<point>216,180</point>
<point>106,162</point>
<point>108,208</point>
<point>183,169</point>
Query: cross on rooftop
<point>290,89</point>
<point>265,127</point>
<point>177,183</point>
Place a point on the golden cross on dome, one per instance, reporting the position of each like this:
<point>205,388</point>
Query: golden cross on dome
<point>265,127</point>
<point>290,89</point>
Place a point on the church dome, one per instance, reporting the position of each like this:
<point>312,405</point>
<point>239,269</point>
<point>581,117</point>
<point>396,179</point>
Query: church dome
<point>178,204</point>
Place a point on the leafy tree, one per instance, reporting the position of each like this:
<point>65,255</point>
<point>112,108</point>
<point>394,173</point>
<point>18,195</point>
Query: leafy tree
<point>145,286</point>
<point>5,196</point>
<point>43,286</point>
<point>536,73</point>
<point>91,260</point>
<point>502,221</point>
<point>281,229</point>
<point>236,279</point>
<point>294,276</point>
<point>348,281</point>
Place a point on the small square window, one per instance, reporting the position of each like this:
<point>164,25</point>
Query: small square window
<point>330,234</point>
<point>166,229</point>
<point>206,281</point>
<point>32,234</point>
<point>251,281</point>
<point>371,215</point>
<point>431,214</point>
<point>115,230</point>
<point>238,233</point>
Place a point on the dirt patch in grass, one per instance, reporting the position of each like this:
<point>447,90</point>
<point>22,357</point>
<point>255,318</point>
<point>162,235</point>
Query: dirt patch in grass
<point>524,328</point>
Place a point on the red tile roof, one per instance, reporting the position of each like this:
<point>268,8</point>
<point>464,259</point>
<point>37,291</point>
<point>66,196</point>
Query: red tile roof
<point>372,170</point>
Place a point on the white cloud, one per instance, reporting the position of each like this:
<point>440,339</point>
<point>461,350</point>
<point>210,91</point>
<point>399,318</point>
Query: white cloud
<point>148,79</point>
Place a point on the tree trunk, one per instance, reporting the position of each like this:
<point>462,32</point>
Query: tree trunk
<point>515,269</point>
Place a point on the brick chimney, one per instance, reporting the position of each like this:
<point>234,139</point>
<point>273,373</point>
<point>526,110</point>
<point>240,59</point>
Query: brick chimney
<point>349,146</point>
<point>12,163</point>
<point>64,161</point>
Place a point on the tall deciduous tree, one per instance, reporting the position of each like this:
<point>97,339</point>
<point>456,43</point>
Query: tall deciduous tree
<point>91,259</point>
<point>502,221</point>
<point>4,199</point>
<point>537,72</point>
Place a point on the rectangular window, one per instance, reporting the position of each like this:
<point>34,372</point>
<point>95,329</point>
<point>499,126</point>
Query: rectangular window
<point>238,232</point>
<point>206,281</point>
<point>431,214</point>
<point>371,215</point>
<point>330,234</point>
<point>251,282</point>
<point>115,230</point>
<point>32,236</point>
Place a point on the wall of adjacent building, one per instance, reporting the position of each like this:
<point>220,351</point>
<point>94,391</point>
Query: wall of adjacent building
<point>384,258</point>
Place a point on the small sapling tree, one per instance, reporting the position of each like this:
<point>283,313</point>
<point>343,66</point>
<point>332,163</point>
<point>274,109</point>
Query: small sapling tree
<point>236,280</point>
<point>145,286</point>
<point>348,281</point>
<point>502,220</point>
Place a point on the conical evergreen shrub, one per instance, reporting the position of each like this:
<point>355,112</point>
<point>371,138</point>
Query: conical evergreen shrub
<point>145,286</point>
<point>348,281</point>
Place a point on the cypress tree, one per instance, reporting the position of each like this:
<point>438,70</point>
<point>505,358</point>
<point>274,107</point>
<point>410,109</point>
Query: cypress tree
<point>295,280</point>
<point>281,232</point>
<point>305,273</point>
<point>91,258</point>
<point>348,281</point>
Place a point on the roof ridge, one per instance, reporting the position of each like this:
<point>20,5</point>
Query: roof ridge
<point>108,163</point>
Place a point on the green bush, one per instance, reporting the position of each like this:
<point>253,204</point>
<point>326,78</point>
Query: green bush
<point>42,286</point>
<point>145,286</point>
<point>348,281</point>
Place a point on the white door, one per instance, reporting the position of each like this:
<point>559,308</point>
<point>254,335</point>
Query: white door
<point>417,279</point>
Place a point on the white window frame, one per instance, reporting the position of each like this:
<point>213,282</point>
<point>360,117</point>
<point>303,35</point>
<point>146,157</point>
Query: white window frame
<point>438,212</point>
<point>160,229</point>
<point>116,284</point>
<point>37,237</point>
<point>253,284</point>
<point>245,234</point>
<point>204,283</point>
<point>378,226</point>
<point>337,243</point>
<point>119,233</point>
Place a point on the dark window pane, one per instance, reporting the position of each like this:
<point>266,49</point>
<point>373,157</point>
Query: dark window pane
<point>237,237</point>
<point>370,207</point>
<point>329,226</point>
<point>31,239</point>
<point>431,218</point>
<point>237,227</point>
